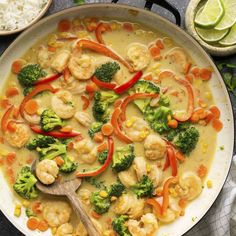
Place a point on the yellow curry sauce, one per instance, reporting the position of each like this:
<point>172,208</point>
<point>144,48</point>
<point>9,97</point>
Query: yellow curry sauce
<point>143,50</point>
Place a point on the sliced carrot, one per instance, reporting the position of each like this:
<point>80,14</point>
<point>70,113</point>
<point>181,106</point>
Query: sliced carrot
<point>201,113</point>
<point>5,103</point>
<point>64,26</point>
<point>217,124</point>
<point>128,26</point>
<point>95,215</point>
<point>180,156</point>
<point>148,77</point>
<point>31,107</point>
<point>10,174</point>
<point>59,160</point>
<point>205,74</point>
<point>66,129</point>
<point>11,126</point>
<point>202,171</point>
<point>15,112</point>
<point>194,118</point>
<point>195,71</point>
<point>187,68</point>
<point>43,226</point>
<point>36,208</point>
<point>32,223</point>
<point>52,49</point>
<point>98,137</point>
<point>209,117</point>
<point>107,129</point>
<point>182,202</point>
<point>173,124</point>
<point>10,158</point>
<point>160,44</point>
<point>70,146</point>
<point>17,66</point>
<point>215,111</point>
<point>155,52</point>
<point>12,91</point>
<point>102,147</point>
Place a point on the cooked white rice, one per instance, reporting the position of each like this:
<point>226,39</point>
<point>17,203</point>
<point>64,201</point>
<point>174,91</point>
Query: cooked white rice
<point>15,14</point>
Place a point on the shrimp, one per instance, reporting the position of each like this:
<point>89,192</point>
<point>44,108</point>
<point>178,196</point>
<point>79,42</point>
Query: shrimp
<point>81,231</point>
<point>86,150</point>
<point>128,177</point>
<point>146,226</point>
<point>85,194</point>
<point>43,57</point>
<point>137,129</point>
<point>191,184</point>
<point>140,167</point>
<point>32,119</point>
<point>138,55</point>
<point>179,58</point>
<point>47,171</point>
<point>60,60</point>
<point>65,230</point>
<point>155,175</point>
<point>73,85</point>
<point>56,213</point>
<point>19,137</point>
<point>137,208</point>
<point>155,147</point>
<point>63,104</point>
<point>82,68</point>
<point>83,118</point>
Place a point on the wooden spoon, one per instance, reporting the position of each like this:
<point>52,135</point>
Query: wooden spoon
<point>68,189</point>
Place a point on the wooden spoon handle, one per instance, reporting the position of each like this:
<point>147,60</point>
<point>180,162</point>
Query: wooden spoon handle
<point>79,209</point>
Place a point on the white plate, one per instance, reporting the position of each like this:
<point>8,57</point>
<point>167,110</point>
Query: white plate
<point>222,160</point>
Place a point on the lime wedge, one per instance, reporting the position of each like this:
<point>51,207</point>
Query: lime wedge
<point>210,15</point>
<point>211,35</point>
<point>230,39</point>
<point>229,17</point>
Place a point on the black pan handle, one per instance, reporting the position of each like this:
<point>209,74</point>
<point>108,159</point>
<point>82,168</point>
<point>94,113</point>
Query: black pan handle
<point>164,4</point>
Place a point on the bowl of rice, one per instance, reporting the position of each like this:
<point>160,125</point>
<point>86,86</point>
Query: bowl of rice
<point>17,15</point>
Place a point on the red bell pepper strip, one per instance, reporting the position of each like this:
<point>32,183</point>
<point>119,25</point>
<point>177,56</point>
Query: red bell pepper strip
<point>86,102</point>
<point>172,160</point>
<point>156,205</point>
<point>132,97</point>
<point>104,166</point>
<point>48,79</point>
<point>97,47</point>
<point>188,86</point>
<point>117,130</point>
<point>102,84</point>
<point>124,87</point>
<point>5,118</point>
<point>55,134</point>
<point>37,89</point>
<point>165,193</point>
<point>101,27</point>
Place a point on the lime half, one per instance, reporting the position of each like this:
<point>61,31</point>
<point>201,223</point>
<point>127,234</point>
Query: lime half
<point>229,17</point>
<point>230,39</point>
<point>211,35</point>
<point>210,15</point>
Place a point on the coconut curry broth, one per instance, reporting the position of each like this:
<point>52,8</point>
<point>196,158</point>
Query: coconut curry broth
<point>117,37</point>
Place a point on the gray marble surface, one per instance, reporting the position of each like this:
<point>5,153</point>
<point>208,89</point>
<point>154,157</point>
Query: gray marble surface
<point>6,228</point>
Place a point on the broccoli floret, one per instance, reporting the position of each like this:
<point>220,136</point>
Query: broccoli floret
<point>102,100</point>
<point>123,158</point>
<point>53,150</point>
<point>27,90</point>
<point>187,140</point>
<point>106,71</point>
<point>172,133</point>
<point>102,156</point>
<point>25,184</point>
<point>100,204</point>
<point>29,213</point>
<point>158,118</point>
<point>119,225</point>
<point>94,128</point>
<point>50,120</point>
<point>143,86</point>
<point>68,166</point>
<point>144,188</point>
<point>40,141</point>
<point>116,189</point>
<point>164,101</point>
<point>30,74</point>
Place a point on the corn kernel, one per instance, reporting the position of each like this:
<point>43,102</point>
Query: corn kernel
<point>76,22</point>
<point>54,230</point>
<point>144,134</point>
<point>113,25</point>
<point>103,193</point>
<point>17,211</point>
<point>25,203</point>
<point>209,183</point>
<point>208,95</point>
<point>71,158</point>
<point>3,152</point>
<point>168,42</point>
<point>130,122</point>
<point>82,34</point>
<point>148,168</point>
<point>169,117</point>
